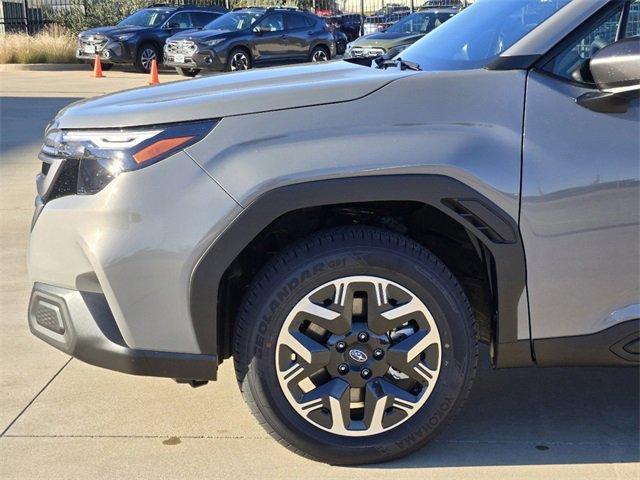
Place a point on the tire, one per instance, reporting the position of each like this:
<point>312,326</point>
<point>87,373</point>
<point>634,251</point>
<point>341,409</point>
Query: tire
<point>106,66</point>
<point>187,72</point>
<point>144,55</point>
<point>239,59</point>
<point>319,54</point>
<point>314,269</point>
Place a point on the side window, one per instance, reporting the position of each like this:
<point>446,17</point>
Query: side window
<point>180,20</point>
<point>571,62</point>
<point>633,20</point>
<point>295,21</point>
<point>273,23</point>
<point>200,19</point>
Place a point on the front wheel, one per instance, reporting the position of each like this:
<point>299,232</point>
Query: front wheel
<point>319,54</point>
<point>145,55</point>
<point>355,346</point>
<point>239,59</point>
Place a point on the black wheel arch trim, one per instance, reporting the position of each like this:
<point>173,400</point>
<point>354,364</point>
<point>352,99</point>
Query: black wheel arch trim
<point>435,190</point>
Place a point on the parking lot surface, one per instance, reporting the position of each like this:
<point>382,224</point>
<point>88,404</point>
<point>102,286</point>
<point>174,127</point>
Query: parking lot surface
<point>61,418</point>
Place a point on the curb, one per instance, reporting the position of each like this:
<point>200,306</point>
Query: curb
<point>43,67</point>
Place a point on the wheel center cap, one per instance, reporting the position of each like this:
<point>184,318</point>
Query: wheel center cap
<point>358,356</point>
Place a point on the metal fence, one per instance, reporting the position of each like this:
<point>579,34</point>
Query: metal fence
<point>31,16</point>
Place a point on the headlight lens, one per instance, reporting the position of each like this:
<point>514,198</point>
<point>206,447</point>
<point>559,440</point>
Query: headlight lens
<point>102,155</point>
<point>124,36</point>
<point>214,42</point>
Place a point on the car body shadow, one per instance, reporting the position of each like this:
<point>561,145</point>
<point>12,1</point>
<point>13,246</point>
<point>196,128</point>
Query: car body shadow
<point>536,416</point>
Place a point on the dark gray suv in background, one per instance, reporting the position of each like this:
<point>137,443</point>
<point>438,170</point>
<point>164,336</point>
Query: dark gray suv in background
<point>250,37</point>
<point>349,234</point>
<point>139,38</point>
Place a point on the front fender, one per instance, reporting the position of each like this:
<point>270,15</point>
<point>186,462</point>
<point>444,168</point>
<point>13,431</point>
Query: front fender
<point>464,126</point>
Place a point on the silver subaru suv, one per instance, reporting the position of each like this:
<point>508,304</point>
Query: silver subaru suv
<point>349,234</point>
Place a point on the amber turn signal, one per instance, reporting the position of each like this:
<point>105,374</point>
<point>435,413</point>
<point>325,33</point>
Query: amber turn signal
<point>159,148</point>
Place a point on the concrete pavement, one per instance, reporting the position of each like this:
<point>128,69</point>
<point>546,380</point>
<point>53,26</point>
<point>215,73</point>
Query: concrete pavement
<point>61,418</point>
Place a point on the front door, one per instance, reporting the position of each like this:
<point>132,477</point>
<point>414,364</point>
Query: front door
<point>580,218</point>
<point>270,43</point>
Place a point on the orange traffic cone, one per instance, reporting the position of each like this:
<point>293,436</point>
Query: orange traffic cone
<point>97,67</point>
<point>154,73</point>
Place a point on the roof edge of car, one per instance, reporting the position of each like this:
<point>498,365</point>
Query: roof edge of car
<point>186,7</point>
<point>258,7</point>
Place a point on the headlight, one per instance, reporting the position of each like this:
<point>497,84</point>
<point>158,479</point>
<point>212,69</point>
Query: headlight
<point>214,42</point>
<point>102,155</point>
<point>349,45</point>
<point>124,36</point>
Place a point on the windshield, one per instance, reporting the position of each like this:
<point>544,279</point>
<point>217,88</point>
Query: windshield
<point>146,18</point>
<point>480,33</point>
<point>234,21</point>
<point>420,22</point>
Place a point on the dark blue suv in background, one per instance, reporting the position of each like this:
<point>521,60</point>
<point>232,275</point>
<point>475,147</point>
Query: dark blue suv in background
<point>248,37</point>
<point>139,38</point>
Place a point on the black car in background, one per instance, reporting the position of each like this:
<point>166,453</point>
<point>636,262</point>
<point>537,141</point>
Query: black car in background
<point>140,37</point>
<point>349,24</point>
<point>247,37</point>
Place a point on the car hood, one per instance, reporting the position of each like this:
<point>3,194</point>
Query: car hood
<point>236,93</point>
<point>386,39</point>
<point>114,30</point>
<point>202,35</point>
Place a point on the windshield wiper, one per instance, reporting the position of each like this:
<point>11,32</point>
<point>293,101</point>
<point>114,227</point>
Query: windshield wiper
<point>403,64</point>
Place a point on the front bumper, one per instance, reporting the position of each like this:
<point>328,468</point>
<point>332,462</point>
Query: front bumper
<point>201,60</point>
<point>82,325</point>
<point>111,52</point>
<point>136,244</point>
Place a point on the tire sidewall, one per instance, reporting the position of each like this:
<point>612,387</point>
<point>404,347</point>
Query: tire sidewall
<point>433,285</point>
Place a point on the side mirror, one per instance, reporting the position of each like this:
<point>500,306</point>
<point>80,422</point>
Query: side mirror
<point>616,73</point>
<point>260,29</point>
<point>173,26</point>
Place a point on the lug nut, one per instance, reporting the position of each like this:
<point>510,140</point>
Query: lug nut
<point>378,353</point>
<point>365,373</point>
<point>343,369</point>
<point>341,346</point>
<point>363,337</point>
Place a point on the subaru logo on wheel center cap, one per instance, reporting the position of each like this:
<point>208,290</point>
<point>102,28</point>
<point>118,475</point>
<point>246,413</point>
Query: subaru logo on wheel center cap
<point>358,355</point>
